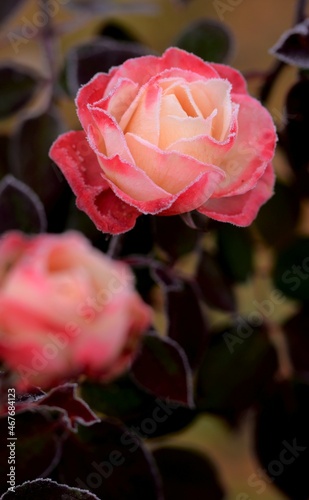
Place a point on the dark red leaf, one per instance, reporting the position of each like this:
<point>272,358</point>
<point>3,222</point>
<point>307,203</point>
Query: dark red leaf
<point>277,219</point>
<point>186,321</point>
<point>187,474</point>
<point>28,154</point>
<point>37,449</point>
<point>20,207</point>
<point>46,489</point>
<point>296,330</point>
<point>294,136</point>
<point>145,414</point>
<point>65,397</point>
<point>111,462</point>
<point>235,251</point>
<point>17,87</point>
<point>293,46</point>
<point>282,439</point>
<point>174,236</point>
<point>213,284</point>
<point>237,368</point>
<point>162,368</point>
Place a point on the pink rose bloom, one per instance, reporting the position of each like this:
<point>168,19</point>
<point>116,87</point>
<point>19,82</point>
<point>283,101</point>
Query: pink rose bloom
<point>164,136</point>
<point>65,309</point>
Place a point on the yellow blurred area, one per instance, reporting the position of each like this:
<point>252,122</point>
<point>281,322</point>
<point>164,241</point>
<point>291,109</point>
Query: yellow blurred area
<point>256,25</point>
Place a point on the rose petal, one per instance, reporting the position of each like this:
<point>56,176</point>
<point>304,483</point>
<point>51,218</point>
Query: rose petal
<point>254,148</point>
<point>177,58</point>
<point>91,351</point>
<point>128,181</point>
<point>183,76</point>
<point>73,155</point>
<point>139,70</point>
<point>29,284</point>
<point>115,104</point>
<point>12,246</point>
<point>109,213</point>
<point>107,137</point>
<point>163,168</point>
<point>133,186</point>
<point>210,95</point>
<point>15,316</point>
<point>182,92</point>
<point>241,209</point>
<point>206,149</point>
<point>203,148</point>
<point>171,107</point>
<point>174,129</point>
<point>164,80</point>
<point>239,84</point>
<point>120,98</point>
<point>145,119</point>
<point>200,189</point>
<point>142,69</point>
<point>108,277</point>
<point>90,93</point>
<point>121,313</point>
<point>28,358</point>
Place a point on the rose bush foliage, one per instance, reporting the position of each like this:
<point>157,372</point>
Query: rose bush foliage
<point>168,135</point>
<point>66,309</point>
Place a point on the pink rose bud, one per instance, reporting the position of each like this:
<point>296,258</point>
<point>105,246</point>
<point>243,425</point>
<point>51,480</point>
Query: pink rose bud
<point>167,135</point>
<point>66,309</point>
